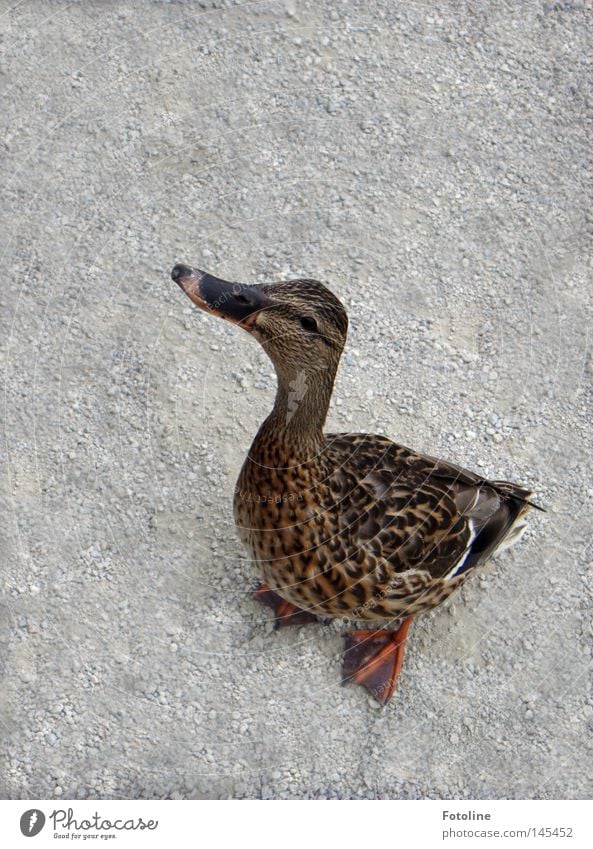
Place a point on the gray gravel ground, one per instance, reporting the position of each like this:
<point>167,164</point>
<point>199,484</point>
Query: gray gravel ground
<point>430,162</point>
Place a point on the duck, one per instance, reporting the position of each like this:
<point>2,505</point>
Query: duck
<point>348,526</point>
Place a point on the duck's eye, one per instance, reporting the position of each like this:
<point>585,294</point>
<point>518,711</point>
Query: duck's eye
<point>309,324</point>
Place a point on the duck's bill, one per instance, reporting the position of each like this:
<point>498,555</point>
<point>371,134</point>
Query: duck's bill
<point>234,301</point>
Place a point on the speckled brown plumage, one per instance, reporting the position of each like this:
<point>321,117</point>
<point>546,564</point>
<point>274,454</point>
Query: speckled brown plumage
<point>347,525</point>
<point>368,529</point>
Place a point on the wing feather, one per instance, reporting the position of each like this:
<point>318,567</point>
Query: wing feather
<point>416,512</point>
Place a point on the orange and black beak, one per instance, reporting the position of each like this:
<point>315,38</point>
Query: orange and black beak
<point>234,301</point>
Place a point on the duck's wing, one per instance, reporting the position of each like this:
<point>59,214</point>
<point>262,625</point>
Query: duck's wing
<point>410,511</point>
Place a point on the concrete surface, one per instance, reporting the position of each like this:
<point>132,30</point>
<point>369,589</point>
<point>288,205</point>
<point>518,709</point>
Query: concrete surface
<point>429,161</point>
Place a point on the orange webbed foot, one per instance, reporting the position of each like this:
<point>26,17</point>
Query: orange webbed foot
<point>286,612</point>
<point>374,659</point>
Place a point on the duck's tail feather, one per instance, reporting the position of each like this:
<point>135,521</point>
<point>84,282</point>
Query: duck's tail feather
<point>519,493</point>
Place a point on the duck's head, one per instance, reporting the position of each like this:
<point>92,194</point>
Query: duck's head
<point>301,325</point>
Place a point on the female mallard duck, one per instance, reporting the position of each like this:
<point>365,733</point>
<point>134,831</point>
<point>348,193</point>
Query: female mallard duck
<point>348,525</point>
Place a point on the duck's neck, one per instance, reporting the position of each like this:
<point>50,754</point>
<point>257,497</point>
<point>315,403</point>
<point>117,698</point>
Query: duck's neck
<point>300,409</point>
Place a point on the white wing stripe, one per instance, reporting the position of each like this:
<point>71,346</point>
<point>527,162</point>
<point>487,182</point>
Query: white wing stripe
<point>465,554</point>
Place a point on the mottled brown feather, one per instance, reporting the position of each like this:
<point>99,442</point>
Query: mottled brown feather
<point>373,529</point>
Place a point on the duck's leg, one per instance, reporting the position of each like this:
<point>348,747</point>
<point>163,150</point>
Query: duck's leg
<point>374,659</point>
<point>286,612</point>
